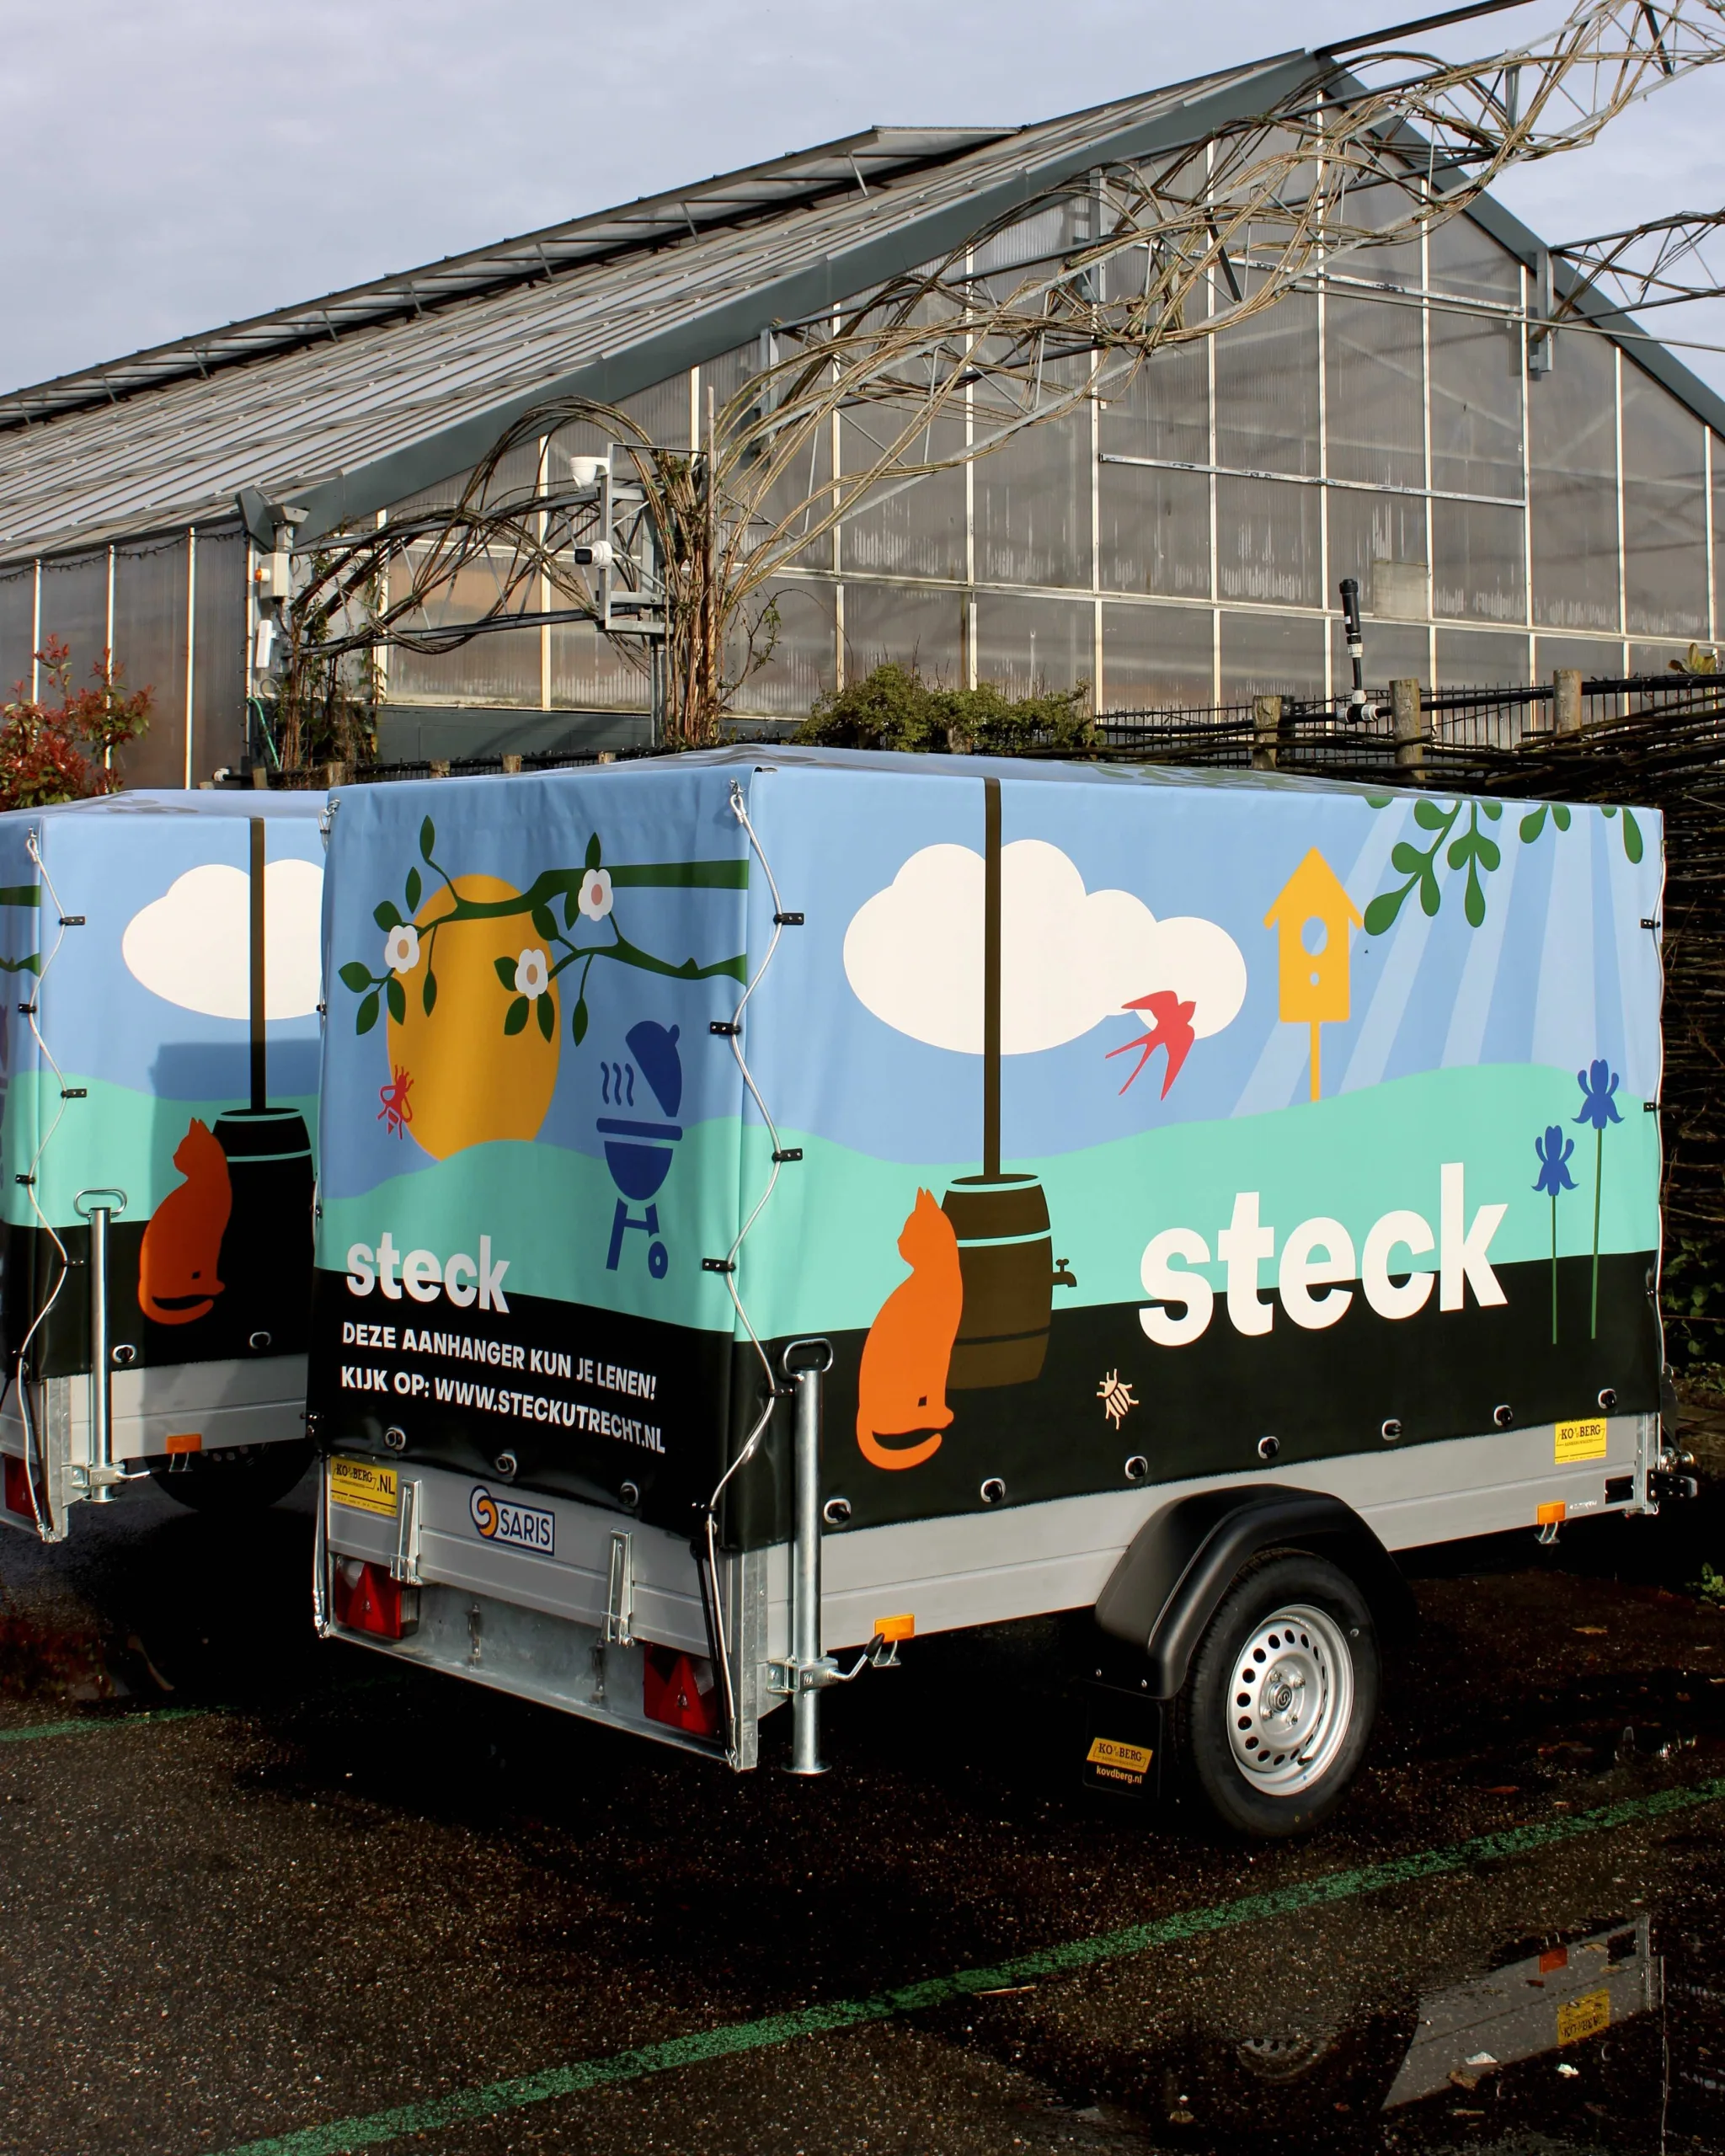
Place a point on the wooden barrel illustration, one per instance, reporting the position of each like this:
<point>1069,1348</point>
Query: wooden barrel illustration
<point>266,1253</point>
<point>1006,1254</point>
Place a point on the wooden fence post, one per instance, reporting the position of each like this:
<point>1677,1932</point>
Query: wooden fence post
<point>1265,729</point>
<point>1411,731</point>
<point>1566,700</point>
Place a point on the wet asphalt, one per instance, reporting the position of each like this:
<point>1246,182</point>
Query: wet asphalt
<point>254,1886</point>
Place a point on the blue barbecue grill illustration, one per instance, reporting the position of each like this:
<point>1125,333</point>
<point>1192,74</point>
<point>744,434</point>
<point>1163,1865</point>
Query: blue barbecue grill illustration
<point>639,1154</point>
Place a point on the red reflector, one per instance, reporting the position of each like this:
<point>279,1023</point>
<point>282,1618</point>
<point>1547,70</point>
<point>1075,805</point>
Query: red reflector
<point>368,1600</point>
<point>17,1488</point>
<point>679,1689</point>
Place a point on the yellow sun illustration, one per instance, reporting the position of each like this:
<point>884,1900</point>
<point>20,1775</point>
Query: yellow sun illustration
<point>471,1083</point>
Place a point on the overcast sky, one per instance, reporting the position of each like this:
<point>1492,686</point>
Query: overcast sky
<point>173,164</point>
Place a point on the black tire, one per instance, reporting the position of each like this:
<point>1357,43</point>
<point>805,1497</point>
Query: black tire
<point>1310,1685</point>
<point>261,1476</point>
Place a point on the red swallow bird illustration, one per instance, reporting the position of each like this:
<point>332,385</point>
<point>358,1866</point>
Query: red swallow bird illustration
<point>1172,1031</point>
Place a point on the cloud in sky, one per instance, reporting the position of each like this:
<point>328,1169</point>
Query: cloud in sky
<point>1069,957</point>
<point>192,946</point>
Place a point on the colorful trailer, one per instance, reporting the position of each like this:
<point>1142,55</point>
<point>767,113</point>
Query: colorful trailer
<point>159,1060</point>
<point>1172,1193</point>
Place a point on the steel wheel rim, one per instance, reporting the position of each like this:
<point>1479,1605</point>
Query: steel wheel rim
<point>1290,1699</point>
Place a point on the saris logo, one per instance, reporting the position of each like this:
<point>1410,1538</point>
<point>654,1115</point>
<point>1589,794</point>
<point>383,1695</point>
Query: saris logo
<point>522,1526</point>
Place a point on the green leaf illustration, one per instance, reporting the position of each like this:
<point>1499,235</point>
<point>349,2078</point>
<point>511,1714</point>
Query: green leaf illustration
<point>571,910</point>
<point>548,1018</point>
<point>578,1024</point>
<point>386,917</point>
<point>356,977</point>
<point>428,994</point>
<point>1494,810</point>
<point>428,839</point>
<point>1406,860</point>
<point>506,970</point>
<point>1533,824</point>
<point>1380,913</point>
<point>1429,817</point>
<point>544,923</point>
<point>413,888</point>
<point>1632,846</point>
<point>1560,815</point>
<point>593,851</point>
<point>397,996</point>
<point>1473,898</point>
<point>367,1015</point>
<point>1430,896</point>
<point>516,1016</point>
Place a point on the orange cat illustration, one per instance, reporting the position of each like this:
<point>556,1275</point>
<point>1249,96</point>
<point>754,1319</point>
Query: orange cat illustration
<point>177,1281</point>
<point>902,1384</point>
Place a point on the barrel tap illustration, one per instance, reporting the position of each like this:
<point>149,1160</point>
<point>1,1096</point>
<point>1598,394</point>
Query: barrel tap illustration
<point>639,1154</point>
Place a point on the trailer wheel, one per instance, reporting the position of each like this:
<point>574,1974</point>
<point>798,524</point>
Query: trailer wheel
<point>1274,1716</point>
<point>260,1477</point>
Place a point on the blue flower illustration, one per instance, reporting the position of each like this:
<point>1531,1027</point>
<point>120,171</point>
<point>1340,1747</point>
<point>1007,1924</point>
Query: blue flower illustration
<point>1552,1153</point>
<point>1598,1084</point>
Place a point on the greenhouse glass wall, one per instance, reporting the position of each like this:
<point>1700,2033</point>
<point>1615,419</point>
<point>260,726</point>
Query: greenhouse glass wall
<point>1509,501</point>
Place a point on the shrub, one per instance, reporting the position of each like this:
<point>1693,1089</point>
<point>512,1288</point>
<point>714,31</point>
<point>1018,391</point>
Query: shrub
<point>894,707</point>
<point>57,750</point>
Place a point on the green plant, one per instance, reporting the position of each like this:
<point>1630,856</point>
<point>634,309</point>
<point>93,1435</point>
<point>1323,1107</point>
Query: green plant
<point>894,707</point>
<point>62,749</point>
<point>1710,1587</point>
<point>1692,1290</point>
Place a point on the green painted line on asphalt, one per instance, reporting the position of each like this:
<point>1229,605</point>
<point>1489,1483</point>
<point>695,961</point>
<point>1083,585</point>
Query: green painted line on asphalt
<point>369,2130</point>
<point>95,1725</point>
<point>101,1725</point>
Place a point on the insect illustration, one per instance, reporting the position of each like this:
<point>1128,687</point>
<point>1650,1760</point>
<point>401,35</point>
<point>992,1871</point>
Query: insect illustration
<point>396,1111</point>
<point>1172,1031</point>
<point>1117,1397</point>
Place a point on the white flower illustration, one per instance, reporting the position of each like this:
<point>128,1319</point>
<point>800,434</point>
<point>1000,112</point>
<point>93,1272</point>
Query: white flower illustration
<point>401,947</point>
<point>532,975</point>
<point>595,900</point>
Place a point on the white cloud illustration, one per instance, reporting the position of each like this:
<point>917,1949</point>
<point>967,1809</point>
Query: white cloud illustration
<point>1069,957</point>
<point>192,946</point>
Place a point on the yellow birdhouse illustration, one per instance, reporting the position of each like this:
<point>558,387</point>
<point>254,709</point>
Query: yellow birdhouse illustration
<point>1312,915</point>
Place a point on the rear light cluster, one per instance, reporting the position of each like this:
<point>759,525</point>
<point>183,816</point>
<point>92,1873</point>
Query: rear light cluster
<point>17,1489</point>
<point>368,1600</point>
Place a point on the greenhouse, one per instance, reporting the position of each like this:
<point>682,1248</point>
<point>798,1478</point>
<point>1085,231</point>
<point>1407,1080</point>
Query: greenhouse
<point>1511,499</point>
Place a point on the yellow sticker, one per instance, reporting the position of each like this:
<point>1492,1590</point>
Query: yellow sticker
<point>1580,1441</point>
<point>1583,2017</point>
<point>365,1485</point>
<point>1108,1752</point>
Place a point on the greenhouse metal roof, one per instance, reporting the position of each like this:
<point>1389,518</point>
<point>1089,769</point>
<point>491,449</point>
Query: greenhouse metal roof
<point>349,421</point>
<point>351,403</point>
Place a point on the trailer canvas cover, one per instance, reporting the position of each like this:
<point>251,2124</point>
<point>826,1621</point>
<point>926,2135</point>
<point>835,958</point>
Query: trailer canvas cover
<point>126,1058</point>
<point>1126,1117</point>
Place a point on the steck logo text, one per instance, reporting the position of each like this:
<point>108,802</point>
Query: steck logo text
<point>425,1276</point>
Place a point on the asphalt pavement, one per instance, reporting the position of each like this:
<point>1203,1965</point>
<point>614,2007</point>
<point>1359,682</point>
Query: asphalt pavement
<point>261,1894</point>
